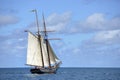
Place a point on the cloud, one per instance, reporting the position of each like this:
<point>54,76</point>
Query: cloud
<point>93,23</point>
<point>106,42</point>
<point>13,43</point>
<point>55,21</point>
<point>58,22</point>
<point>96,22</point>
<point>8,19</point>
<point>108,37</point>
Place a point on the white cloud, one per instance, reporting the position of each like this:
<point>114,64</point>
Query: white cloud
<point>56,18</point>
<point>93,23</point>
<point>58,21</point>
<point>96,22</point>
<point>104,42</point>
<point>8,19</point>
<point>13,43</point>
<point>112,36</point>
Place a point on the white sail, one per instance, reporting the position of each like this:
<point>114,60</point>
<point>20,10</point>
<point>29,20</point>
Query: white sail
<point>53,57</point>
<point>33,51</point>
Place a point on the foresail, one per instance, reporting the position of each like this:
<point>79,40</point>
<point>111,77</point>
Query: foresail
<point>33,51</point>
<point>53,57</point>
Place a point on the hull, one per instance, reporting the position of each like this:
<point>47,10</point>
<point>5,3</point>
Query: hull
<point>36,71</point>
<point>43,71</point>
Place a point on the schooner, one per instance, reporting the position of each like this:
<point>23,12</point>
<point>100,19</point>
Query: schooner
<point>39,51</point>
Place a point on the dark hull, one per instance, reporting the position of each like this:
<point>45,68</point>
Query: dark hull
<point>43,71</point>
<point>36,71</point>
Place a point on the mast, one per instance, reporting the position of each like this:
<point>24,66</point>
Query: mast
<point>46,39</point>
<point>39,36</point>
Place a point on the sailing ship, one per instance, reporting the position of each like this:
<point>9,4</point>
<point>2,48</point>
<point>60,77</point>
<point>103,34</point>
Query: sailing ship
<point>40,53</point>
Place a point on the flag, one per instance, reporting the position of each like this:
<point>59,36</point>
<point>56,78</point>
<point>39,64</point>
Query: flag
<point>33,10</point>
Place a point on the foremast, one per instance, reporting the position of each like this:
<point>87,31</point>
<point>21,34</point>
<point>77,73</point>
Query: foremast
<point>39,36</point>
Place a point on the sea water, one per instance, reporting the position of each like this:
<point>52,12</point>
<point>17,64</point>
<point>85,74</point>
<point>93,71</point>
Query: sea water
<point>62,74</point>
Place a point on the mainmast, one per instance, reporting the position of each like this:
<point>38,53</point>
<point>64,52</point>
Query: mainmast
<point>46,40</point>
<point>39,36</point>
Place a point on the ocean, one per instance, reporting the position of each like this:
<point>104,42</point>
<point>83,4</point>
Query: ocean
<point>62,74</point>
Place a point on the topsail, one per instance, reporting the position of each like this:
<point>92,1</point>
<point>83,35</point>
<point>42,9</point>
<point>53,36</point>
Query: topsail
<point>33,51</point>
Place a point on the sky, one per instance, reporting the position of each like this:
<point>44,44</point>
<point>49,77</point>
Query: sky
<point>89,31</point>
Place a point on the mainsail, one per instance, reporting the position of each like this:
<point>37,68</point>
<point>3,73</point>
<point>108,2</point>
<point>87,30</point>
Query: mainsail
<point>33,52</point>
<point>34,55</point>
